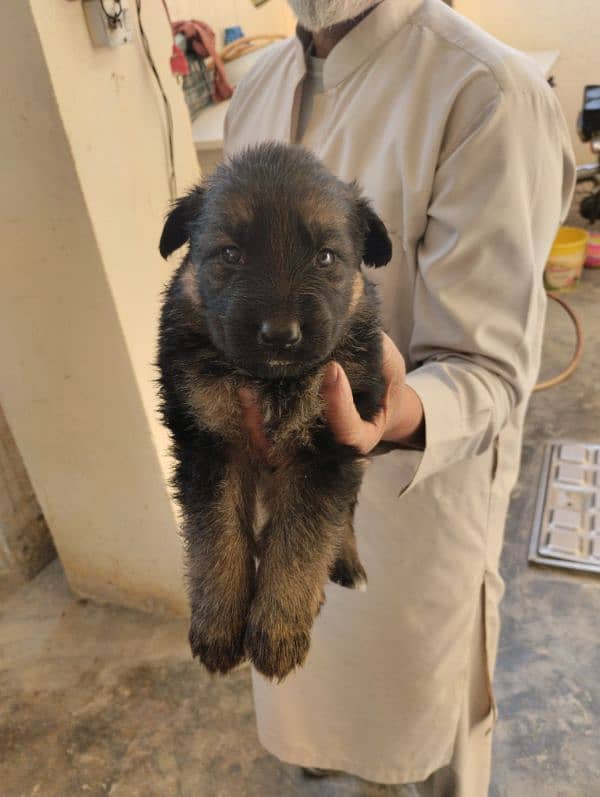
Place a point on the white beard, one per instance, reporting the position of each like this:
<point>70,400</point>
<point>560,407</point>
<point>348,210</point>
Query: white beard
<point>318,14</point>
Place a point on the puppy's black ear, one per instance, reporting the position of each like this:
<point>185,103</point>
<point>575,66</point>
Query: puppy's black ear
<point>178,223</point>
<point>377,248</point>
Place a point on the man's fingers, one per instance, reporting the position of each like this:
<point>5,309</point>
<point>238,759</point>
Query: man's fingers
<point>342,416</point>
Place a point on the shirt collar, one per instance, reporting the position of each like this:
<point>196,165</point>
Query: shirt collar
<point>363,41</point>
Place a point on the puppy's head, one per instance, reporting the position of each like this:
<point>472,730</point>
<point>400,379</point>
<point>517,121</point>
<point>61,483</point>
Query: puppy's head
<point>276,244</point>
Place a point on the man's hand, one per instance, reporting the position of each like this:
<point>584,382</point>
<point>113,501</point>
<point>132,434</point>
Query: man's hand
<point>401,419</point>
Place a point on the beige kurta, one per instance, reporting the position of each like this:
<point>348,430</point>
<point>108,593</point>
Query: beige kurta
<point>462,147</point>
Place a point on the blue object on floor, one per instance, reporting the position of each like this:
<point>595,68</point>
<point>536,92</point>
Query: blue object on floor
<point>233,33</point>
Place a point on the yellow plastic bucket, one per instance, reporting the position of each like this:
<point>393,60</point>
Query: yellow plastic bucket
<point>566,259</point>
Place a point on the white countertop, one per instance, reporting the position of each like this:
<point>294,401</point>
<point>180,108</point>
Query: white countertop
<point>208,126</point>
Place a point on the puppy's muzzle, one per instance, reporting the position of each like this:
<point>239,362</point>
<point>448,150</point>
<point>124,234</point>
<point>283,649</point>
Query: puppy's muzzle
<point>279,334</point>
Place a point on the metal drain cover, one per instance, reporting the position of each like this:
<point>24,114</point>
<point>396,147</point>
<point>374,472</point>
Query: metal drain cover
<point>566,530</point>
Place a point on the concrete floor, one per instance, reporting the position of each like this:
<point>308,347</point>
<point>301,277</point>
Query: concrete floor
<point>101,700</point>
<point>548,676</point>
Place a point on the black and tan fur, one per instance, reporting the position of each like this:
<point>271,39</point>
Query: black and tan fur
<point>279,210</point>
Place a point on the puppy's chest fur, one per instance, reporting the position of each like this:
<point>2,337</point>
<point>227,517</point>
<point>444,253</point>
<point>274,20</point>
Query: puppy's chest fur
<point>290,414</point>
<point>289,410</point>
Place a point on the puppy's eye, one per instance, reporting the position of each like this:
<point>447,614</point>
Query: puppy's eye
<point>326,257</point>
<point>231,255</point>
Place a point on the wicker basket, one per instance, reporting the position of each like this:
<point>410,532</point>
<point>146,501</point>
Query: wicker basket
<point>244,46</point>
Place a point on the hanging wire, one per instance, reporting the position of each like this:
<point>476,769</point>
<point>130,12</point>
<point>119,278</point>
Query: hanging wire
<point>165,99</point>
<point>576,358</point>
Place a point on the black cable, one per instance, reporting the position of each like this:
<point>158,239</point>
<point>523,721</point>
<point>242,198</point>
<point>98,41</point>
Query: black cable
<point>167,105</point>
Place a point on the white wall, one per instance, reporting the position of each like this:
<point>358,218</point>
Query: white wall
<point>572,27</point>
<point>84,191</point>
<point>274,16</point>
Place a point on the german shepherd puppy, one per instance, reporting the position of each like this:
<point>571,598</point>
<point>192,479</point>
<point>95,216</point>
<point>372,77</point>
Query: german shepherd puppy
<point>269,291</point>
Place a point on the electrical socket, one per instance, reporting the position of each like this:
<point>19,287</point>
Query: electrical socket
<point>104,31</point>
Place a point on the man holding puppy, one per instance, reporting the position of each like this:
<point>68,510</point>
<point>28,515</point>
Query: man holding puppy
<point>461,146</point>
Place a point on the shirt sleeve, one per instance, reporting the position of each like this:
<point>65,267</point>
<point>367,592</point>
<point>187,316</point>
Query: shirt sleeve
<point>498,197</point>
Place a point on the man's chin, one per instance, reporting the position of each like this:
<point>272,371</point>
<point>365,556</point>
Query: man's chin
<point>315,15</point>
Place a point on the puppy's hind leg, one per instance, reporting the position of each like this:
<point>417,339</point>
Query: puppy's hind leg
<point>347,570</point>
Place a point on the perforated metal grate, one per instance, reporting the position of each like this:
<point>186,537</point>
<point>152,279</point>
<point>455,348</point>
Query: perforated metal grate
<point>566,530</point>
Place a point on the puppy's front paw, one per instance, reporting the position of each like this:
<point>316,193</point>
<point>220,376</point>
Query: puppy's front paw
<point>218,646</point>
<point>276,647</point>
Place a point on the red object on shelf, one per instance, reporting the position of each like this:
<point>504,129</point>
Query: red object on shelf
<point>201,38</point>
<point>179,64</point>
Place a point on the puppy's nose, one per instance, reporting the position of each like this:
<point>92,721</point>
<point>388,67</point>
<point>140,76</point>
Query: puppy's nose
<point>283,333</point>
